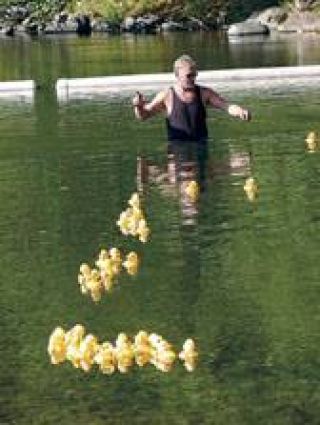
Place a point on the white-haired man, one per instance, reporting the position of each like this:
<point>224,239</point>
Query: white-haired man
<point>185,105</point>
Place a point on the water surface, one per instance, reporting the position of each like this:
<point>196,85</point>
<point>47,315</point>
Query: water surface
<point>241,278</point>
<point>49,58</point>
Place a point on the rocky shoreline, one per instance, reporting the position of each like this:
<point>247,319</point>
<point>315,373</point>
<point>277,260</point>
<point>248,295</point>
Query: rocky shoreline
<point>280,19</point>
<point>29,18</point>
<point>32,19</point>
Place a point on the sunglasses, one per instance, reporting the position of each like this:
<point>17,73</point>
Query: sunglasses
<point>191,75</point>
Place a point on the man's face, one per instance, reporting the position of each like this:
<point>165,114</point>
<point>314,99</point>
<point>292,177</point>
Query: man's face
<point>186,77</point>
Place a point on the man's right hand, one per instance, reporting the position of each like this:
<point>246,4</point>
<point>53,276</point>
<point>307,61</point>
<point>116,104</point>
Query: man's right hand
<point>138,100</point>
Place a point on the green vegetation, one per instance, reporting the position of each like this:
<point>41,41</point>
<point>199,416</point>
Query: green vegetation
<point>202,9</point>
<point>116,10</point>
<point>208,11</point>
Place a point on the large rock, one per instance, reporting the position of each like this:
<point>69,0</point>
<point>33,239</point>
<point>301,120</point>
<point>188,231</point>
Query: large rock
<point>248,27</point>
<point>17,13</point>
<point>54,27</point>
<point>169,26</point>
<point>272,17</point>
<point>101,25</point>
<point>304,5</point>
<point>301,22</point>
<point>30,25</point>
<point>7,30</point>
<point>146,24</point>
<point>128,24</point>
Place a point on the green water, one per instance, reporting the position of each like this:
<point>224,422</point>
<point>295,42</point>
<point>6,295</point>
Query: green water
<point>49,58</point>
<point>241,278</point>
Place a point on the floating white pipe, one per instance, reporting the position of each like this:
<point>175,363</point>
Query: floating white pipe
<point>74,87</point>
<point>17,86</point>
<point>17,90</point>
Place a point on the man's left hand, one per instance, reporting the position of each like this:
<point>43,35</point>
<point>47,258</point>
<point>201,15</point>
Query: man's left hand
<point>245,114</point>
<point>239,112</point>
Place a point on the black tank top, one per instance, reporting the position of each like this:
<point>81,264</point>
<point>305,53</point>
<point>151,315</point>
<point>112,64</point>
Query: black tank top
<point>187,121</point>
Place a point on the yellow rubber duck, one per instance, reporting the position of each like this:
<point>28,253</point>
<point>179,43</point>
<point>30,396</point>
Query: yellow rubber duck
<point>124,223</point>
<point>90,281</point>
<point>131,263</point>
<point>124,353</point>
<point>189,355</point>
<point>94,285</point>
<point>116,260</point>
<point>57,348</point>
<point>312,141</point>
<point>83,275</point>
<point>88,349</point>
<point>164,357</point>
<point>134,201</point>
<point>192,190</point>
<point>143,230</point>
<point>142,348</point>
<point>105,358</point>
<point>251,188</point>
<point>109,264</point>
<point>73,340</point>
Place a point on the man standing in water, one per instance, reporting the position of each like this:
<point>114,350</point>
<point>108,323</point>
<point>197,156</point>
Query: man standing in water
<point>185,105</point>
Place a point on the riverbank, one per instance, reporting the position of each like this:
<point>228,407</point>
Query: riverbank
<point>63,17</point>
<point>280,19</point>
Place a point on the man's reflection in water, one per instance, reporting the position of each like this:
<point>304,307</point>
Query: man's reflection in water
<point>186,163</point>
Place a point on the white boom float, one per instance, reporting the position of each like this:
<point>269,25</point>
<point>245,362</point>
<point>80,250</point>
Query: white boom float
<point>226,78</point>
<point>17,89</point>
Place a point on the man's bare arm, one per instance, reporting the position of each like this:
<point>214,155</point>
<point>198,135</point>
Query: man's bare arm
<point>144,109</point>
<point>217,101</point>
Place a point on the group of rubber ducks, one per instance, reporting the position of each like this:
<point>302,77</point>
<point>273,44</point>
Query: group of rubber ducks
<point>95,281</point>
<point>251,187</point>
<point>83,351</point>
<point>132,221</point>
